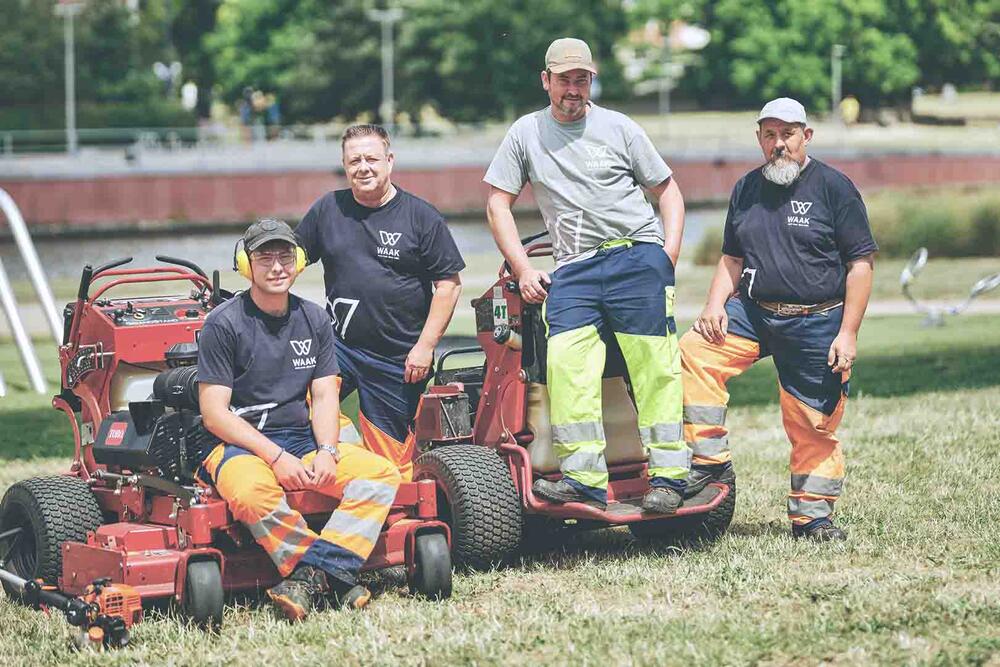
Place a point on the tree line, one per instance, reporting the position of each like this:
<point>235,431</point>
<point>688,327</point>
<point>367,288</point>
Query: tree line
<point>473,60</point>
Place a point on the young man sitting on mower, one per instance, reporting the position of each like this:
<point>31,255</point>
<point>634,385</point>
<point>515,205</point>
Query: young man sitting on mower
<point>260,354</point>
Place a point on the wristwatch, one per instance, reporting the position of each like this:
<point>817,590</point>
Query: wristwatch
<point>332,449</point>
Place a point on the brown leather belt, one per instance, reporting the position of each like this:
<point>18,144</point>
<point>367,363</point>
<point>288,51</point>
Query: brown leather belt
<point>795,309</point>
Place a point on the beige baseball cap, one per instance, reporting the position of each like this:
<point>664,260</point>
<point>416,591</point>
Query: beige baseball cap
<point>566,54</point>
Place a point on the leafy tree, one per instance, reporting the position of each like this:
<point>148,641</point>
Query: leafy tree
<point>475,60</point>
<point>192,22</point>
<point>480,59</point>
<point>764,48</point>
<point>115,49</point>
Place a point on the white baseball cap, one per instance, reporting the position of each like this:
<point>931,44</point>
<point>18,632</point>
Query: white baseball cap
<point>784,108</point>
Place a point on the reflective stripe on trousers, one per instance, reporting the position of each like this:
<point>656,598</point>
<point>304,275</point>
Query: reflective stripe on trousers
<point>366,485</point>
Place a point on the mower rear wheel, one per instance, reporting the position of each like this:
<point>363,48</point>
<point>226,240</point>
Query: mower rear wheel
<point>49,511</point>
<point>691,528</point>
<point>203,595</point>
<point>477,499</point>
<point>432,576</point>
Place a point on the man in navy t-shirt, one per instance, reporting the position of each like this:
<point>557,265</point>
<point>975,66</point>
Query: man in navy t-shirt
<point>793,283</point>
<point>390,267</point>
<point>260,355</point>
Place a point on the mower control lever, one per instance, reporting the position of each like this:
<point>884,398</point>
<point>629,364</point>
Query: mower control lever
<point>89,272</point>
<point>182,262</point>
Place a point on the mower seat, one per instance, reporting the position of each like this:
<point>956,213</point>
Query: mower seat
<point>621,427</point>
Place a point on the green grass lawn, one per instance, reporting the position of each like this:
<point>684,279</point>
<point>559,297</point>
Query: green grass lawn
<point>918,582</point>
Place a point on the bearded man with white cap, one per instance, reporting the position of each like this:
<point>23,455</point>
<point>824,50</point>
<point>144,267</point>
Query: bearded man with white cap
<point>793,283</point>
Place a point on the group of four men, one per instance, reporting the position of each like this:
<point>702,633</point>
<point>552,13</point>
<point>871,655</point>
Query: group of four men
<point>793,282</point>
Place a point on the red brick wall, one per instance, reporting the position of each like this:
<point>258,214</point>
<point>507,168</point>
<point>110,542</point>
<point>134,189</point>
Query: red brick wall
<point>121,200</point>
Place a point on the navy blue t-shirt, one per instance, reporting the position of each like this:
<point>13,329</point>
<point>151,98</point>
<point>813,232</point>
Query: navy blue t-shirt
<point>379,265</point>
<point>269,362</point>
<point>795,241</point>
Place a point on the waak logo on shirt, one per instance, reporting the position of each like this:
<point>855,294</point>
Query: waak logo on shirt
<point>598,157</point>
<point>388,239</point>
<point>302,360</point>
<point>800,209</point>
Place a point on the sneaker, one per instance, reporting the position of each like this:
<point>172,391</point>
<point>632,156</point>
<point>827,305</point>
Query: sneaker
<point>819,530</point>
<point>563,492</point>
<point>702,475</point>
<point>661,500</point>
<point>296,596</point>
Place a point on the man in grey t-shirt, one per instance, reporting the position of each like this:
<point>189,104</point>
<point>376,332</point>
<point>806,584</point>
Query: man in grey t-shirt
<point>614,273</point>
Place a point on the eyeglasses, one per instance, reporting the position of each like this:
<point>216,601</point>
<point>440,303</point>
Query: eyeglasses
<point>287,259</point>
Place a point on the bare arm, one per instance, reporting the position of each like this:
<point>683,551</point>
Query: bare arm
<point>531,281</point>
<point>671,205</point>
<point>844,349</point>
<point>419,360</point>
<point>713,323</point>
<point>213,401</point>
<point>324,396</point>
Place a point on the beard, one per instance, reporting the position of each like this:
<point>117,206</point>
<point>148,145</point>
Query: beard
<point>782,170</point>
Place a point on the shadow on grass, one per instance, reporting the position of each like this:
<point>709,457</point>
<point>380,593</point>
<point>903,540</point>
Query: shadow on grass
<point>889,374</point>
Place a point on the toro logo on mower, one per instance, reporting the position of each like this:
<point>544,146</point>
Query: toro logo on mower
<point>116,433</point>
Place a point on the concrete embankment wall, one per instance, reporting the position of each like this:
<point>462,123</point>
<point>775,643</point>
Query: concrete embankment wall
<point>121,199</point>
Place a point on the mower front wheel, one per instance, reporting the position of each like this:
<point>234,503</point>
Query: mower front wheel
<point>203,594</point>
<point>432,575</point>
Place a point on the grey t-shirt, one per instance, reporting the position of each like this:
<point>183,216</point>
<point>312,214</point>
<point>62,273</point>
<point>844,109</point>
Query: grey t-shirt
<point>587,177</point>
<point>269,362</point>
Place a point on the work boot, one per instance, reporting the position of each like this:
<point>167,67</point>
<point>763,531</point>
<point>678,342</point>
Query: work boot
<point>701,475</point>
<point>347,594</point>
<point>297,595</point>
<point>819,530</point>
<point>562,491</point>
<point>661,500</point>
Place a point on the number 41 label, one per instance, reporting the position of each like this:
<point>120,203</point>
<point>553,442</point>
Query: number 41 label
<point>499,312</point>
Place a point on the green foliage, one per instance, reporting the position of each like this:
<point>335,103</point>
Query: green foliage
<point>708,250</point>
<point>193,21</point>
<point>953,223</point>
<point>764,48</point>
<point>474,61</point>
<point>115,50</point>
<point>481,59</point>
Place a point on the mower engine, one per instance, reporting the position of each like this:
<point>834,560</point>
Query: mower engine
<point>163,434</point>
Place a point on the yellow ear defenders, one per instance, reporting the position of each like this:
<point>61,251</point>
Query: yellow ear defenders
<point>241,260</point>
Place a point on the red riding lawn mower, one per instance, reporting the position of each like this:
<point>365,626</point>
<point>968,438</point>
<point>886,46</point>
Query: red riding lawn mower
<point>494,420</point>
<point>129,510</point>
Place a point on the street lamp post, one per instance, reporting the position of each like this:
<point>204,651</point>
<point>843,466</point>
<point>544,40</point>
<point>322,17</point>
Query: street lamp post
<point>387,17</point>
<point>836,54</point>
<point>68,9</point>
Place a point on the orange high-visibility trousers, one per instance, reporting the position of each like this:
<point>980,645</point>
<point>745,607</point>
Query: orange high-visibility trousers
<point>366,486</point>
<point>812,397</point>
